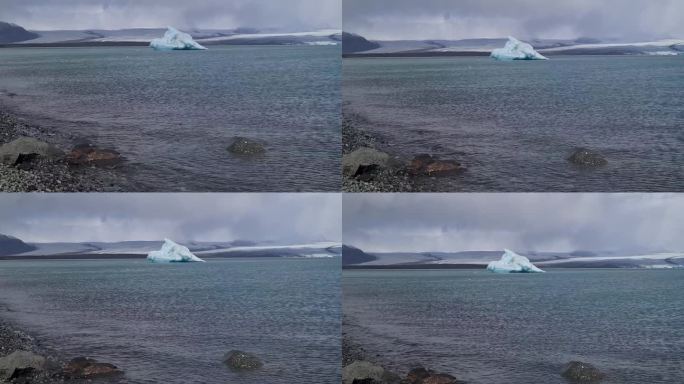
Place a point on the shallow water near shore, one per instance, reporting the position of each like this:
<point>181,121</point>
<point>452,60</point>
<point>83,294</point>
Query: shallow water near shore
<point>514,124</point>
<point>173,114</point>
<point>174,323</point>
<point>489,328</point>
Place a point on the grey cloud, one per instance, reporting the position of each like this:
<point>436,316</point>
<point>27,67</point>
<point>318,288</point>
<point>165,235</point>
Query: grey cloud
<point>219,14</point>
<point>201,217</point>
<point>448,19</point>
<point>529,222</point>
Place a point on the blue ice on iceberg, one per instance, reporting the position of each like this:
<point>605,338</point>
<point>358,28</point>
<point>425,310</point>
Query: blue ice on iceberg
<point>516,50</point>
<point>175,40</point>
<point>511,262</point>
<point>172,253</point>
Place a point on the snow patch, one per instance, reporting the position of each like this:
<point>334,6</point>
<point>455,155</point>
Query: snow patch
<point>172,253</point>
<point>175,40</point>
<point>516,50</point>
<point>511,262</point>
<point>662,53</point>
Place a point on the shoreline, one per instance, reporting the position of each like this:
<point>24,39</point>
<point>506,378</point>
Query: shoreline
<point>13,338</point>
<point>56,368</point>
<point>43,175</point>
<point>388,179</point>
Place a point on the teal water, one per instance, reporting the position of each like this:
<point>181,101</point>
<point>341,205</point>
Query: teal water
<point>174,323</point>
<point>514,124</point>
<point>489,328</point>
<point>173,114</point>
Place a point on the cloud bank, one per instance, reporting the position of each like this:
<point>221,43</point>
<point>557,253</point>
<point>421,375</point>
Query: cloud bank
<point>565,19</point>
<point>525,222</point>
<point>289,218</point>
<point>211,14</point>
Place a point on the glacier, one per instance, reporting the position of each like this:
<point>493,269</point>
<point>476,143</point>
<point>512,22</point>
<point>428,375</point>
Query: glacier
<point>516,50</point>
<point>511,262</point>
<point>172,253</point>
<point>175,40</point>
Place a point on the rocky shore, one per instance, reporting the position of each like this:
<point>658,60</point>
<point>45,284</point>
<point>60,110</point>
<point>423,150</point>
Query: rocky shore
<point>24,360</point>
<point>54,174</point>
<point>361,367</point>
<point>368,165</point>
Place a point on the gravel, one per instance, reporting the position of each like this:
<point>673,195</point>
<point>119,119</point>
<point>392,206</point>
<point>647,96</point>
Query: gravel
<point>51,176</point>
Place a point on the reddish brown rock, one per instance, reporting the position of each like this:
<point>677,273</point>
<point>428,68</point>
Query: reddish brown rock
<point>87,154</point>
<point>439,378</point>
<point>432,166</point>
<point>85,368</point>
<point>424,376</point>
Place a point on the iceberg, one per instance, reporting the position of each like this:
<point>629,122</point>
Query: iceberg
<point>516,50</point>
<point>175,40</point>
<point>173,253</point>
<point>511,262</point>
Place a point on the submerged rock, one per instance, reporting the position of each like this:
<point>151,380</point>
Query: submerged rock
<point>85,368</point>
<point>242,361</point>
<point>243,146</point>
<point>587,158</point>
<point>364,160</point>
<point>27,148</point>
<point>21,363</point>
<point>580,372</point>
<point>432,166</point>
<point>88,154</point>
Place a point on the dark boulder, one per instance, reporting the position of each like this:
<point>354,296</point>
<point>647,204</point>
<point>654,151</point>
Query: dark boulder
<point>243,146</point>
<point>364,161</point>
<point>586,158</point>
<point>580,372</point>
<point>25,149</point>
<point>242,361</point>
<point>364,372</point>
<point>85,368</point>
<point>20,364</point>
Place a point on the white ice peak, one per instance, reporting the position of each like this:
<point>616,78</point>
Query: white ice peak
<point>173,253</point>
<point>175,40</point>
<point>516,50</point>
<point>511,262</point>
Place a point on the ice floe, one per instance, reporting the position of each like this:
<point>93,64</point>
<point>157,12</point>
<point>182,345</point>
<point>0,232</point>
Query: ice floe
<point>173,253</point>
<point>175,40</point>
<point>516,50</point>
<point>511,262</point>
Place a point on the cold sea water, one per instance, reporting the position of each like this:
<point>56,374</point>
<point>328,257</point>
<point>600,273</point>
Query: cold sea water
<point>174,114</point>
<point>514,124</point>
<point>520,328</point>
<point>174,323</point>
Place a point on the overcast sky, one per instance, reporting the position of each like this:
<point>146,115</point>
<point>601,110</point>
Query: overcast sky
<point>450,19</point>
<point>290,218</point>
<point>522,222</point>
<point>219,14</point>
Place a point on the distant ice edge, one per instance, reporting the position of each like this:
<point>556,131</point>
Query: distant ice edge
<point>511,262</point>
